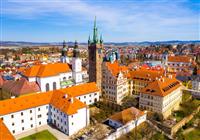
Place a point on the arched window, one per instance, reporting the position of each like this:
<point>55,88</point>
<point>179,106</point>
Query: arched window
<point>64,78</point>
<point>47,86</point>
<point>54,85</point>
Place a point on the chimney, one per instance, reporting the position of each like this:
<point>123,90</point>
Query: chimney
<point>72,100</point>
<point>12,97</point>
<point>65,96</point>
<point>156,78</point>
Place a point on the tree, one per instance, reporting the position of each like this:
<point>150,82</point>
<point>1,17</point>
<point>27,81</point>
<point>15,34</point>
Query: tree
<point>157,117</point>
<point>129,101</point>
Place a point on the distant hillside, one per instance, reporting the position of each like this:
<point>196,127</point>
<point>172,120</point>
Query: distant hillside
<point>144,43</point>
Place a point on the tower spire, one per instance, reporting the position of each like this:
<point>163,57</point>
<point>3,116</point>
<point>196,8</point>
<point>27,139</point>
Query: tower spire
<point>95,22</point>
<point>76,50</point>
<point>101,39</point>
<point>64,44</point>
<point>89,41</point>
<point>95,36</point>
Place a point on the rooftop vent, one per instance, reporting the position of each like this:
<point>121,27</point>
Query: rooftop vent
<point>12,97</point>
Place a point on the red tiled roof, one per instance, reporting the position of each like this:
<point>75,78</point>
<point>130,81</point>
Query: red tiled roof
<point>162,87</point>
<point>81,89</point>
<point>20,87</point>
<point>127,115</point>
<point>4,132</point>
<point>44,70</point>
<point>56,98</point>
<point>144,74</point>
<point>185,59</point>
<point>115,68</point>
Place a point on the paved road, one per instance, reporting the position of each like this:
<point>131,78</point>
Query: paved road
<point>59,135</point>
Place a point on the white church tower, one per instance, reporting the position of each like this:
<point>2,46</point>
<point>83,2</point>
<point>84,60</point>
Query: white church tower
<point>77,65</point>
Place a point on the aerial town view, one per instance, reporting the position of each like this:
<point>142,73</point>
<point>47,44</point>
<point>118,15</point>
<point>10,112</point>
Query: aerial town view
<point>100,70</point>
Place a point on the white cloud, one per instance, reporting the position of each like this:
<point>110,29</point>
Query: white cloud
<point>126,17</point>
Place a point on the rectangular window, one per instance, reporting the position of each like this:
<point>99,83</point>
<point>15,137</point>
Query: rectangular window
<point>31,125</point>
<point>31,118</point>
<point>39,123</point>
<point>22,128</point>
<point>38,109</point>
<point>22,114</point>
<point>22,121</point>
<point>30,111</point>
<point>13,124</point>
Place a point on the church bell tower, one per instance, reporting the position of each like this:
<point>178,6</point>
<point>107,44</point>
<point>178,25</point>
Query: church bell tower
<point>95,47</point>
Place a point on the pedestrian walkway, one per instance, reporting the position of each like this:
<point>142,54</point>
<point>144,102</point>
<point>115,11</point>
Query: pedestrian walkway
<point>58,134</point>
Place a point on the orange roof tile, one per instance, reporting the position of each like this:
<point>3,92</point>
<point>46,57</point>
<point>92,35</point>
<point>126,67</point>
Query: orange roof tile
<point>44,70</point>
<point>81,89</point>
<point>185,59</point>
<point>69,105</point>
<point>24,102</point>
<point>56,98</point>
<point>115,68</point>
<point>162,87</point>
<point>4,132</point>
<point>146,74</point>
<point>127,115</point>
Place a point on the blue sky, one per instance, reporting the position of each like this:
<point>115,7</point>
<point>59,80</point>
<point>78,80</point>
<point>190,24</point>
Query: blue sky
<point>117,20</point>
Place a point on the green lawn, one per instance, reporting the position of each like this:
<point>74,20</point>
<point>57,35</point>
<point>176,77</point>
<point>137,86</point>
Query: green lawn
<point>43,135</point>
<point>193,135</point>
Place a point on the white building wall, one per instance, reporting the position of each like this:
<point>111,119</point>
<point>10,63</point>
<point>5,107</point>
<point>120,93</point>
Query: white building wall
<point>25,120</point>
<point>159,104</point>
<point>125,128</point>
<point>50,80</point>
<point>59,119</point>
<point>70,124</point>
<point>172,98</point>
<point>90,98</point>
<point>67,76</point>
<point>78,121</point>
<point>31,79</point>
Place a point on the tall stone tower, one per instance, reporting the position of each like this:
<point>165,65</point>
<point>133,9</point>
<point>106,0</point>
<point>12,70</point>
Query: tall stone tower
<point>95,47</point>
